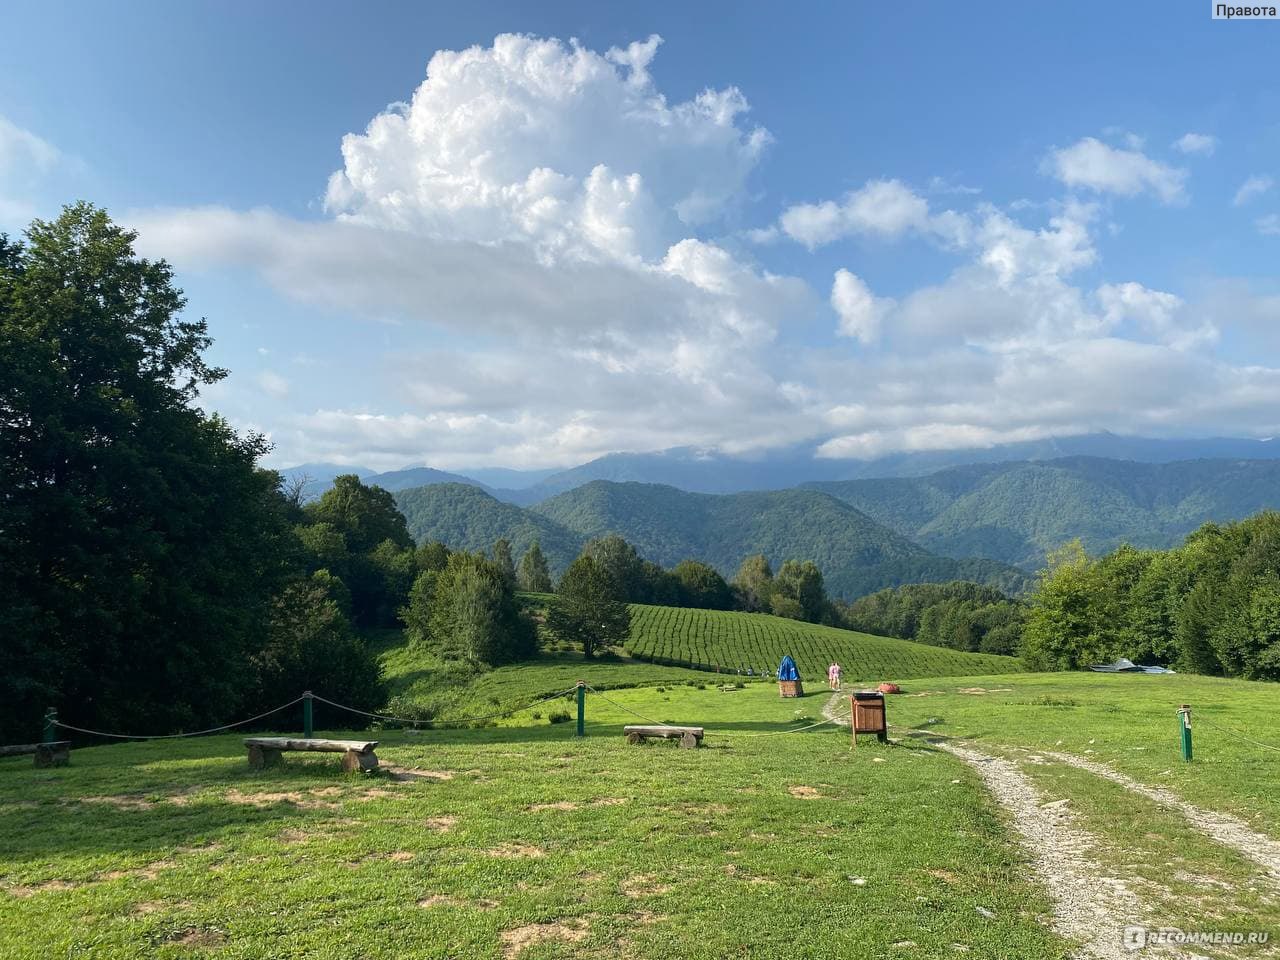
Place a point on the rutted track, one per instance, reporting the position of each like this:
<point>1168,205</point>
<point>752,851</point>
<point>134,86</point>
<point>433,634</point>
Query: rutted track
<point>1222,827</point>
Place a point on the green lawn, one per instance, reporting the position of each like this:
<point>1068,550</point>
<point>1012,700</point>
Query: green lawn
<point>765,846</point>
<point>522,841</point>
<point>1126,720</point>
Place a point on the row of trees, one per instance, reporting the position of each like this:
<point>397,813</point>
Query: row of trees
<point>960,615</point>
<point>1209,606</point>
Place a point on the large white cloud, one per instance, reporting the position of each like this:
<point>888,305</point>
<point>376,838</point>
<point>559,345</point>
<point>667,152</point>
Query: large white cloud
<point>532,140</point>
<point>1094,165</point>
<point>553,237</point>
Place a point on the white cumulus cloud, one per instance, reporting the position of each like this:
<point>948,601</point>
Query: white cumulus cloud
<point>1094,165</point>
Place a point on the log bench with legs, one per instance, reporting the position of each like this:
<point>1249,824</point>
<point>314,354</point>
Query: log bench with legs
<point>55,754</point>
<point>689,737</point>
<point>356,754</point>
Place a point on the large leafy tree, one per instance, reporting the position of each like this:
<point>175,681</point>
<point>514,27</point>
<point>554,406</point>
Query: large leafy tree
<point>472,612</point>
<point>586,611</point>
<point>140,547</point>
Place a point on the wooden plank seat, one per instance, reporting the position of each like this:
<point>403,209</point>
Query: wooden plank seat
<point>356,754</point>
<point>689,737</point>
<point>56,754</point>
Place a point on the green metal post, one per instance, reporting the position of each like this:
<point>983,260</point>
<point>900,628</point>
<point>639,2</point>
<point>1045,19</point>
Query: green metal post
<point>582,708</point>
<point>1184,722</point>
<point>306,714</point>
<point>50,725</point>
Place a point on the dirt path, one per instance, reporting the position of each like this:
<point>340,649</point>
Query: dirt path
<point>1088,906</point>
<point>1222,827</point>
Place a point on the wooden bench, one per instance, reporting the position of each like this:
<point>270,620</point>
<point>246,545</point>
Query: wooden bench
<point>56,754</point>
<point>689,737</point>
<point>356,754</point>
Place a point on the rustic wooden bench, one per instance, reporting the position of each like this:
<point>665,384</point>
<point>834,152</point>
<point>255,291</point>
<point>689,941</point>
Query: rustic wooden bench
<point>56,754</point>
<point>356,754</point>
<point>689,737</point>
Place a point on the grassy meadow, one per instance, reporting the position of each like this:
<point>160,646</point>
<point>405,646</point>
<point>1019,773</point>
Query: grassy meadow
<point>520,840</point>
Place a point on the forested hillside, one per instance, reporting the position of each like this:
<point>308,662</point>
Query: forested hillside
<point>1017,512</point>
<point>467,518</point>
<point>856,554</point>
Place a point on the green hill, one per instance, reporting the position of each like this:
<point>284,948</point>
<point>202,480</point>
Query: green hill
<point>707,638</point>
<point>1016,512</point>
<point>857,555</point>
<point>467,518</point>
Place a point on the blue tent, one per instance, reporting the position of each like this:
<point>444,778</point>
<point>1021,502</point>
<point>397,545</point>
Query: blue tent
<point>787,669</point>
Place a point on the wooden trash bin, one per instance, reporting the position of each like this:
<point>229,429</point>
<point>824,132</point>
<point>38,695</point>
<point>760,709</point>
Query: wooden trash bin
<point>866,715</point>
<point>790,688</point>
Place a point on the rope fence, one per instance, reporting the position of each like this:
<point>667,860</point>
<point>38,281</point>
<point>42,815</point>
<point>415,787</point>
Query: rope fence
<point>52,723</point>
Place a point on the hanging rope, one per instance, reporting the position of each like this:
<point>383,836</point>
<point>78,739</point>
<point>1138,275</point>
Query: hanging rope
<point>414,722</point>
<point>175,736</point>
<point>1200,717</point>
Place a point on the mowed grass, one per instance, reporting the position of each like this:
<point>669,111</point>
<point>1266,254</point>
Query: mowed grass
<point>523,842</point>
<point>1126,720</point>
<point>731,640</point>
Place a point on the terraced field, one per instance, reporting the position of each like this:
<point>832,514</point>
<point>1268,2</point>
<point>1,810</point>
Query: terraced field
<point>707,639</point>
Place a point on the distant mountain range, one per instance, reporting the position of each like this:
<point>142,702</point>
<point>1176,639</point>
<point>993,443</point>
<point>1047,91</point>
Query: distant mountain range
<point>1016,512</point>
<point>702,472</point>
<point>857,554</point>
<point>914,522</point>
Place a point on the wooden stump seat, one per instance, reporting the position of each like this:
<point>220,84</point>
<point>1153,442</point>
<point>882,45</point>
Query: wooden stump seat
<point>356,754</point>
<point>689,737</point>
<point>56,754</point>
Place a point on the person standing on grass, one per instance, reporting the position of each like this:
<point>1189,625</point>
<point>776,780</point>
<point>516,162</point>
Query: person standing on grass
<point>833,676</point>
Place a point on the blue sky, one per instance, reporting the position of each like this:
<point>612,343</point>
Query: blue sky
<point>886,227</point>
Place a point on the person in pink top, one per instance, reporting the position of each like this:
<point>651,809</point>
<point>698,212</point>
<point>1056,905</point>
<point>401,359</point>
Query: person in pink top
<point>833,676</point>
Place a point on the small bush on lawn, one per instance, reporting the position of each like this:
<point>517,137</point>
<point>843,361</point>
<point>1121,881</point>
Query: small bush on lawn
<point>559,716</point>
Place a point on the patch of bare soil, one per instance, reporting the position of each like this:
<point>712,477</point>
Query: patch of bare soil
<point>433,774</point>
<point>1088,906</point>
<point>804,793</point>
<point>518,939</point>
<point>1222,827</point>
<point>514,851</point>
<point>294,797</point>
<point>440,824</point>
<point>643,885</point>
<point>558,805</point>
<point>609,802</point>
<point>199,937</point>
<point>149,872</point>
<point>48,886</point>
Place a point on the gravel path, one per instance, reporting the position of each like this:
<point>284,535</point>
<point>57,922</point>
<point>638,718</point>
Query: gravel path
<point>1222,827</point>
<point>1088,907</point>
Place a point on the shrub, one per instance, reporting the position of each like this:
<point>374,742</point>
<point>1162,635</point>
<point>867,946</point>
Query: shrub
<point>559,716</point>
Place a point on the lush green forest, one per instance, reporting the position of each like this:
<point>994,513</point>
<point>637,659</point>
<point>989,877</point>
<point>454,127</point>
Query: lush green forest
<point>1211,605</point>
<point>961,615</point>
<point>152,577</point>
<point>1019,512</point>
<point>857,555</point>
<point>467,518</point>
